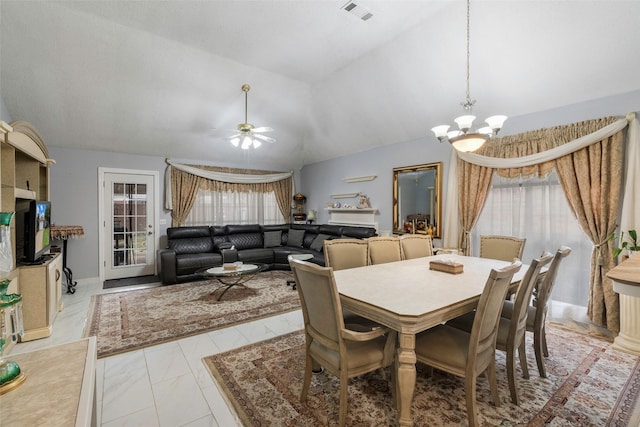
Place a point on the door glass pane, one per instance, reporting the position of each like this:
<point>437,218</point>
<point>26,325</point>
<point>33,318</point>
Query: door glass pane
<point>129,224</point>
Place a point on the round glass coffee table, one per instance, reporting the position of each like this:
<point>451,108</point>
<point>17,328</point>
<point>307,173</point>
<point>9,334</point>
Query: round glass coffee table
<point>232,276</point>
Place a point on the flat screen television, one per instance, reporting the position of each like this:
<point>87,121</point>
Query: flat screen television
<point>37,230</point>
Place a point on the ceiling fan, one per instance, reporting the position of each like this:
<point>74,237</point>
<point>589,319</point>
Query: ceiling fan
<point>249,135</point>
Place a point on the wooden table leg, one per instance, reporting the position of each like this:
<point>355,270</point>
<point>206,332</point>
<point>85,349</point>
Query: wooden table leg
<point>405,377</point>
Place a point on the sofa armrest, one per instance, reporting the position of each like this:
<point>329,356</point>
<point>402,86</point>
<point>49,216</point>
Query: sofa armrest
<point>229,255</point>
<point>167,258</point>
<point>219,247</point>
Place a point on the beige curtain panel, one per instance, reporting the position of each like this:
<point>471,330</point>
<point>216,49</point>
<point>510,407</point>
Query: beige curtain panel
<point>588,157</point>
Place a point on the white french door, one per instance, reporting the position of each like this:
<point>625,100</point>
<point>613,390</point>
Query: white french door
<point>129,213</point>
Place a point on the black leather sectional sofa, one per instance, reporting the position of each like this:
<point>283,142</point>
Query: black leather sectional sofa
<point>192,248</point>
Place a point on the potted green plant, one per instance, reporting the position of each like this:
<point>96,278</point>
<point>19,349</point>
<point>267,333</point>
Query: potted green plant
<point>628,243</point>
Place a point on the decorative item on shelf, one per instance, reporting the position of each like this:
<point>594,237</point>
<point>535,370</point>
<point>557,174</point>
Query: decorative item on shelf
<point>6,252</point>
<point>248,134</point>
<point>364,202</point>
<point>408,227</point>
<point>467,138</point>
<point>299,202</point>
<point>10,373</point>
<point>311,216</point>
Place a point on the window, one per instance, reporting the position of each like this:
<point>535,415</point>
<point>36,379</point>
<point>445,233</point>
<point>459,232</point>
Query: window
<point>222,208</point>
<point>536,208</point>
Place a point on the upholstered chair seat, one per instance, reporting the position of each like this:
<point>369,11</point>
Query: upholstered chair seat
<point>469,354</point>
<point>537,310</point>
<point>341,351</point>
<point>511,331</point>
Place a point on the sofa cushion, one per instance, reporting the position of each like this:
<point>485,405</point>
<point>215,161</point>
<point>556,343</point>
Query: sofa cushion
<point>194,245</point>
<point>189,263</point>
<point>188,232</point>
<point>272,239</point>
<point>331,230</point>
<point>296,237</point>
<point>318,242</point>
<point>262,255</point>
<point>246,240</point>
<point>359,232</point>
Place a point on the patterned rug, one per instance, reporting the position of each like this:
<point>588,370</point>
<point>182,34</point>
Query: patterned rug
<point>588,384</point>
<point>130,320</point>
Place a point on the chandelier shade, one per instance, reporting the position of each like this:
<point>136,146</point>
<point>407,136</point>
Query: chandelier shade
<point>466,138</point>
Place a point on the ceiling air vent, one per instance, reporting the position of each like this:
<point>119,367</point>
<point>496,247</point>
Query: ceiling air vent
<point>359,11</point>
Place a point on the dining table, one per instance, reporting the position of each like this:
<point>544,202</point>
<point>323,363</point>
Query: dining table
<point>408,297</point>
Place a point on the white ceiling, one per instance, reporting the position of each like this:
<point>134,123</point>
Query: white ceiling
<point>164,77</point>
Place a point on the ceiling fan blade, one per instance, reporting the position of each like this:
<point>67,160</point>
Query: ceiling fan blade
<point>263,129</point>
<point>264,138</point>
<point>237,135</point>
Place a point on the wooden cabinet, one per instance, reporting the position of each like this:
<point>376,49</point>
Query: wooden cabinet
<point>41,289</point>
<point>24,175</point>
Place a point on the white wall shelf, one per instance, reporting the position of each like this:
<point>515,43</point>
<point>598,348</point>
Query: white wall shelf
<point>345,195</point>
<point>353,217</point>
<point>360,178</point>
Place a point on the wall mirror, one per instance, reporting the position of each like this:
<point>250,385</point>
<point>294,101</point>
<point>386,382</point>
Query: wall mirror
<point>417,196</point>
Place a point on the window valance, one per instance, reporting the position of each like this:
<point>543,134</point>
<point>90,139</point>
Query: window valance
<point>233,178</point>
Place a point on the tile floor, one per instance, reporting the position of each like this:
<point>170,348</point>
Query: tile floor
<point>167,384</point>
<point>163,385</point>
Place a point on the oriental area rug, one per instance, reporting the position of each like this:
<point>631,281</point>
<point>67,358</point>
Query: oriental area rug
<point>129,320</point>
<point>588,384</point>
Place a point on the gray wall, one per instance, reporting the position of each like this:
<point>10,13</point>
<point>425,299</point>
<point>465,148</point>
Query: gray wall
<point>74,198</point>
<point>74,177</point>
<point>4,113</point>
<point>322,179</point>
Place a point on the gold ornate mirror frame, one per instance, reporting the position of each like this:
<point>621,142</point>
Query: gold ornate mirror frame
<point>417,196</point>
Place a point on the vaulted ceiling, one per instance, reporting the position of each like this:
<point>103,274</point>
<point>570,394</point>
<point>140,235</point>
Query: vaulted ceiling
<point>164,77</point>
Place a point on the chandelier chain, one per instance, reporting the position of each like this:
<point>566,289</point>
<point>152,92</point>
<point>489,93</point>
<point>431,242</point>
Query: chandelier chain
<point>468,104</point>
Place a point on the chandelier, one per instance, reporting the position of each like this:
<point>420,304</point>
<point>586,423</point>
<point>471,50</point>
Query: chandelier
<point>248,135</point>
<point>466,138</point>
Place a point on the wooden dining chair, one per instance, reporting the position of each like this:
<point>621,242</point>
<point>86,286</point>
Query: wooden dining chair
<point>469,354</point>
<point>416,246</point>
<point>537,311</point>
<point>340,254</point>
<point>343,352</point>
<point>511,331</point>
<point>503,248</point>
<point>384,249</point>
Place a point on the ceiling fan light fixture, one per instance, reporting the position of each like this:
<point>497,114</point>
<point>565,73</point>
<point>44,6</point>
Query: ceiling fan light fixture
<point>248,133</point>
<point>467,139</point>
<point>246,142</point>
